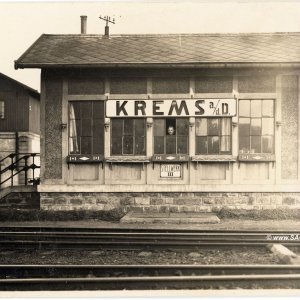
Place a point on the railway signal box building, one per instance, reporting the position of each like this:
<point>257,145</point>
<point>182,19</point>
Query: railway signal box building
<point>178,123</point>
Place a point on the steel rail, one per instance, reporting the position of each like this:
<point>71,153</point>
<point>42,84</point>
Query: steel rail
<point>149,282</point>
<point>41,228</point>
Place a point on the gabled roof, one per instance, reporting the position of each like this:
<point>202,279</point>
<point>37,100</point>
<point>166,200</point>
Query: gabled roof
<point>167,49</point>
<point>32,91</point>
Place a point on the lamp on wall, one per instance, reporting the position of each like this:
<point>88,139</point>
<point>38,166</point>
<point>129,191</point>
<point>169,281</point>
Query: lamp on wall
<point>63,126</point>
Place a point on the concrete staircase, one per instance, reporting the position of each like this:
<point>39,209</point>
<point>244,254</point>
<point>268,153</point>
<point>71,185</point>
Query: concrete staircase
<point>20,197</point>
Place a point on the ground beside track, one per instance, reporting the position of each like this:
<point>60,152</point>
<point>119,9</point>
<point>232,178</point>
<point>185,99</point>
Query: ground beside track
<point>238,255</point>
<point>225,224</point>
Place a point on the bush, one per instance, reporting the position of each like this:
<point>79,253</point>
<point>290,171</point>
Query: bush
<point>265,214</point>
<point>18,215</point>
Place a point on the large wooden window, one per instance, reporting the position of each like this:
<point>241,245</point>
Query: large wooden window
<point>86,127</point>
<point>2,108</point>
<point>171,136</point>
<point>128,136</point>
<point>256,126</point>
<point>213,135</point>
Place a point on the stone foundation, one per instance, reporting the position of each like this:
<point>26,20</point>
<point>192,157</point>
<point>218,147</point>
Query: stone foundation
<point>168,202</point>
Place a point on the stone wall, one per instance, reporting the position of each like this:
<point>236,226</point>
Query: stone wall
<point>168,202</point>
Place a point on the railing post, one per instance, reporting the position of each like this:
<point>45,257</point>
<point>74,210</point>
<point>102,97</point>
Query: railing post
<point>33,156</point>
<point>26,169</point>
<point>12,171</point>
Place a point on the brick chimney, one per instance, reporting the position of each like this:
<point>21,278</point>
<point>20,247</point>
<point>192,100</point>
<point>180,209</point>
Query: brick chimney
<point>83,24</point>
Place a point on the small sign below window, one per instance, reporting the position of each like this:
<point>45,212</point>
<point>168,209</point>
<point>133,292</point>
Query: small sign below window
<point>85,158</point>
<point>170,158</point>
<point>170,171</point>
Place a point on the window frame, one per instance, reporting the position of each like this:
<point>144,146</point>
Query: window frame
<point>92,137</point>
<point>2,109</point>
<point>261,117</point>
<point>197,152</point>
<point>134,136</point>
<point>176,135</point>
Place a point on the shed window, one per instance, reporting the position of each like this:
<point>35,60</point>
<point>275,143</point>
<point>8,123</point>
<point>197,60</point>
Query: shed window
<point>86,127</point>
<point>128,136</point>
<point>2,108</point>
<point>171,136</point>
<point>213,135</point>
<point>256,126</point>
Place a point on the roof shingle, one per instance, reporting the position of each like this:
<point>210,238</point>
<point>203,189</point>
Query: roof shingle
<point>93,50</point>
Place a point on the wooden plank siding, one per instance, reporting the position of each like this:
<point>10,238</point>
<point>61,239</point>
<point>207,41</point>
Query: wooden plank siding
<point>16,100</point>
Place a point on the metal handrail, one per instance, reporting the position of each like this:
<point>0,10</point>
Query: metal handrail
<point>14,166</point>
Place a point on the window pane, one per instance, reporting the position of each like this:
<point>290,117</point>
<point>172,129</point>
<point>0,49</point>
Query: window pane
<point>74,145</point>
<point>267,144</point>
<point>159,145</point>
<point>140,148</point>
<point>74,128</point>
<point>97,145</point>
<point>128,86</point>
<point>86,129</point>
<point>201,126</point>
<point>244,144</point>
<point>98,109</point>
<point>213,145</point>
<point>86,145</point>
<point>201,145</point>
<point>182,126</point>
<point>256,108</point>
<point>116,127</point>
<point>139,127</point>
<point>128,127</point>
<point>75,110</point>
<point>244,108</point>
<point>116,145</point>
<point>244,127</point>
<point>268,108</point>
<point>97,127</point>
<point>159,127</point>
<point>182,145</point>
<point>86,109</point>
<point>267,126</point>
<point>213,126</point>
<point>225,144</point>
<point>255,127</point>
<point>2,106</point>
<point>170,126</point>
<point>170,144</point>
<point>226,126</point>
<point>170,85</point>
<point>255,144</point>
<point>128,145</point>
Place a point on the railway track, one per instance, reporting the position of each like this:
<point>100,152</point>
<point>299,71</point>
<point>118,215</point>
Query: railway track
<point>134,277</point>
<point>135,239</point>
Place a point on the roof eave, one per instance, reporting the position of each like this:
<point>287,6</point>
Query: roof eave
<point>20,65</point>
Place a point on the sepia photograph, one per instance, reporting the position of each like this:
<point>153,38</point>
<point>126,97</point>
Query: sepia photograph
<point>150,149</point>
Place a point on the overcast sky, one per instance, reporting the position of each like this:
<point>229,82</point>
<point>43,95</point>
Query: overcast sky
<point>22,22</point>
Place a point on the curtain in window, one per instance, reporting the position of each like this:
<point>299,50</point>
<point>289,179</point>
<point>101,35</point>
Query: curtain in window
<point>73,141</point>
<point>225,134</point>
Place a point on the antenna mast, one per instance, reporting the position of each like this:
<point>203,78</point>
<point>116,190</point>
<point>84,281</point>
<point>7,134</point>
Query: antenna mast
<point>107,19</point>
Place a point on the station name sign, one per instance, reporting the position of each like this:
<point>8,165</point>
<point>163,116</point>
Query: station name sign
<point>171,108</point>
